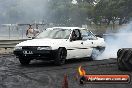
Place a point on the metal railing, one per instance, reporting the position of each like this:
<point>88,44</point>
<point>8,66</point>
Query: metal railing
<point>10,43</point>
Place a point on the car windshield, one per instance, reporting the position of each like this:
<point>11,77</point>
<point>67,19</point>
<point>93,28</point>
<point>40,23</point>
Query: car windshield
<point>55,34</point>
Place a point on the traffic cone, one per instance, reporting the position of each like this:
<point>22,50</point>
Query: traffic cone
<point>65,82</point>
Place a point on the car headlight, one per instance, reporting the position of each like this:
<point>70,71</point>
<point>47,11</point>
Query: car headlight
<point>44,48</point>
<point>18,48</point>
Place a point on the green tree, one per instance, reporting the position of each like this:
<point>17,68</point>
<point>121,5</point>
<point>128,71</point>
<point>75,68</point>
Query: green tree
<point>112,10</point>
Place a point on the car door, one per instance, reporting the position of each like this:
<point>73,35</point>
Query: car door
<point>89,41</point>
<point>76,46</point>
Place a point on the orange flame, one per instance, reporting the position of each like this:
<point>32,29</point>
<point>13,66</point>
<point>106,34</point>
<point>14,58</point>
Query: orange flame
<point>81,71</point>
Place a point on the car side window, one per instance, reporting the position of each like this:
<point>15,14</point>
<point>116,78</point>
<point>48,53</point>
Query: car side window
<point>76,35</point>
<point>91,36</point>
<point>84,34</point>
<point>87,35</point>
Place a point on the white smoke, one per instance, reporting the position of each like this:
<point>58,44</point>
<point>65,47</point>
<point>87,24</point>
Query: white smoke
<point>115,41</point>
<point>23,11</point>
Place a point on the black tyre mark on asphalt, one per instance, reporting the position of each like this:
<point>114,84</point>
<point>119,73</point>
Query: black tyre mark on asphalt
<point>53,68</point>
<point>14,68</point>
<point>12,73</point>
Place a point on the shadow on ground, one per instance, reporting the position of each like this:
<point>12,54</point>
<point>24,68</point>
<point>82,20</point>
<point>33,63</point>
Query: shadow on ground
<point>40,63</point>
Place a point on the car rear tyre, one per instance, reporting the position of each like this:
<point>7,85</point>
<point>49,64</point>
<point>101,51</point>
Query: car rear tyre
<point>24,61</point>
<point>60,57</point>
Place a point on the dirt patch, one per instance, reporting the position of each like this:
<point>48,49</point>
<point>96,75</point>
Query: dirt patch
<point>6,50</point>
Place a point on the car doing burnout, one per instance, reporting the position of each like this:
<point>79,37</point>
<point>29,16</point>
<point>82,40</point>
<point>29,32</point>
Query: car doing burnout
<point>60,43</point>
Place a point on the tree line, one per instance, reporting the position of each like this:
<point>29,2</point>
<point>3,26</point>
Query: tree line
<point>90,11</point>
<point>66,12</point>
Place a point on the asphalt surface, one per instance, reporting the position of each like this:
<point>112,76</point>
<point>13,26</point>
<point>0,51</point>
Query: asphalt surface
<point>40,74</point>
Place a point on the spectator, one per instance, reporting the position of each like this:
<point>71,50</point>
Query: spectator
<point>30,32</point>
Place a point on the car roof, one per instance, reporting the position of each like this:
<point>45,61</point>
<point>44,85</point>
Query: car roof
<point>68,28</point>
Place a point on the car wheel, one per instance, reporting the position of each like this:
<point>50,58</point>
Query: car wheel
<point>24,61</point>
<point>60,57</point>
<point>96,52</point>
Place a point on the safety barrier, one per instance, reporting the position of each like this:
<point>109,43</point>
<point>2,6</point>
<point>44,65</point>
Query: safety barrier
<point>10,43</point>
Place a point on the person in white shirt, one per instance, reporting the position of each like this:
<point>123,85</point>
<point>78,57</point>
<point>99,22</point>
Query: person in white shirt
<point>30,33</point>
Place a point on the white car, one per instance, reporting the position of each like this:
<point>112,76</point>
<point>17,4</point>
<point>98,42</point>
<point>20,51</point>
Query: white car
<point>60,43</point>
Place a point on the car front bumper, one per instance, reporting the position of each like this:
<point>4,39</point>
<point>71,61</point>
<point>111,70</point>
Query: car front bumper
<point>36,54</point>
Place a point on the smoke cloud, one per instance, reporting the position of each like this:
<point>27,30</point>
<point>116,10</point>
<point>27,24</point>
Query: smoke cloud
<point>23,11</point>
<point>115,41</point>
